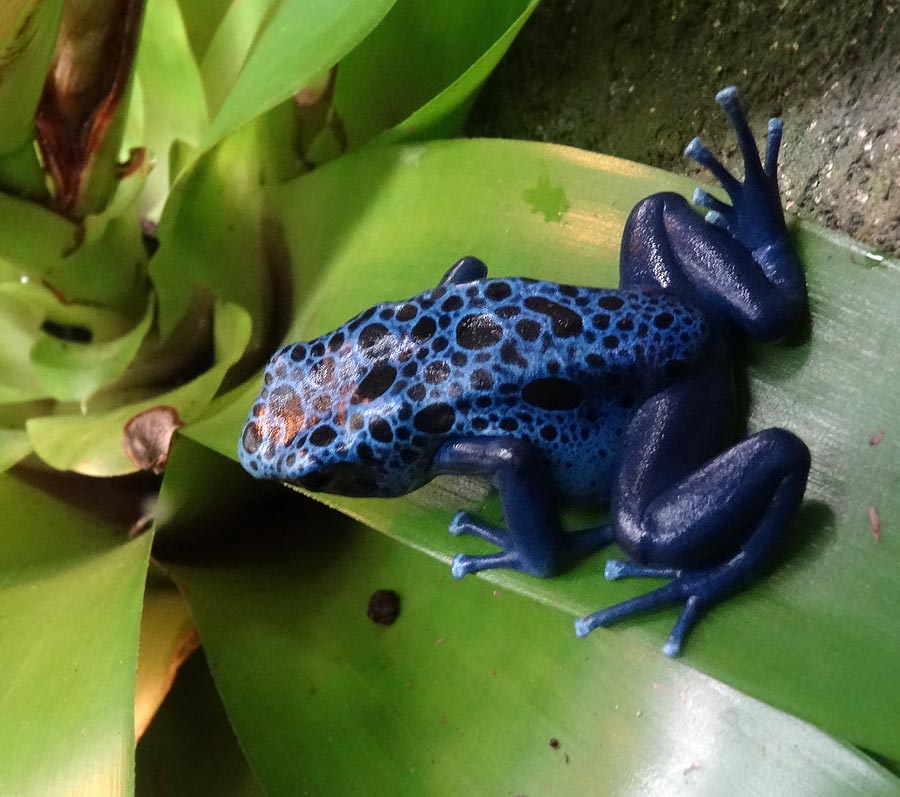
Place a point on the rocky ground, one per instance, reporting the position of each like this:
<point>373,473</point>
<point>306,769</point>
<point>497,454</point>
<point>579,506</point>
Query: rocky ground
<point>637,80</point>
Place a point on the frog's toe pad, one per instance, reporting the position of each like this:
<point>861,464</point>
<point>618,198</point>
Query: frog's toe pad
<point>613,570</point>
<point>463,564</point>
<point>727,96</point>
<point>583,627</point>
<point>460,524</point>
<point>459,567</point>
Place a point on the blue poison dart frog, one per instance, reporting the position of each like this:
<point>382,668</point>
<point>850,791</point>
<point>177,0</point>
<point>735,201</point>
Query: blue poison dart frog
<point>558,392</point>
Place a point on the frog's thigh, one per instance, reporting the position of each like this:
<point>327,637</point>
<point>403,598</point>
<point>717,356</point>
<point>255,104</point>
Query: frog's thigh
<point>673,436</point>
<point>666,245</point>
<point>678,502</point>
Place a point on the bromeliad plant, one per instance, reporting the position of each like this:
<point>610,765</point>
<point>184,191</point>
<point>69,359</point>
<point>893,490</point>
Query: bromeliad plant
<point>186,185</point>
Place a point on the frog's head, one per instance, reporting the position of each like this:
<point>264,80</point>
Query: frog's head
<point>304,427</point>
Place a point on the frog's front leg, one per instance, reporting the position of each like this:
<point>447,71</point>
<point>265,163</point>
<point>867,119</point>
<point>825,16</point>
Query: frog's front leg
<point>534,541</point>
<point>685,511</point>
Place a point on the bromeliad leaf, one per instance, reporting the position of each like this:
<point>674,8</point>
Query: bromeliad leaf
<point>300,40</point>
<point>92,444</point>
<point>425,206</point>
<point>393,81</point>
<point>70,607</point>
<point>473,690</point>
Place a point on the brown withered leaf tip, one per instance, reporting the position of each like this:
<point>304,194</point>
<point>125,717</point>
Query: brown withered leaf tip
<point>136,158</point>
<point>147,436</point>
<point>88,76</point>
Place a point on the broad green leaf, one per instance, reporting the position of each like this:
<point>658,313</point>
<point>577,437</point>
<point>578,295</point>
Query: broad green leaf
<point>14,447</point>
<point>444,115</point>
<point>201,20</point>
<point>239,261</point>
<point>71,371</point>
<point>28,31</point>
<point>229,46</point>
<point>92,444</point>
<point>422,64</point>
<point>301,40</point>
<point>36,364</point>
<point>70,607</point>
<point>189,749</point>
<point>819,635</point>
<point>466,691</point>
<point>100,264</point>
<point>19,324</point>
<point>30,237</point>
<point>172,95</point>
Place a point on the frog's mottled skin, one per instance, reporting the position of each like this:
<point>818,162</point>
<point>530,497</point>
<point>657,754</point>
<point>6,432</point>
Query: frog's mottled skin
<point>557,390</point>
<point>362,410</point>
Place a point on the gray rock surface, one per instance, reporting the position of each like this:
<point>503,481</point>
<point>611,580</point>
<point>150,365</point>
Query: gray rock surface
<point>637,81</point>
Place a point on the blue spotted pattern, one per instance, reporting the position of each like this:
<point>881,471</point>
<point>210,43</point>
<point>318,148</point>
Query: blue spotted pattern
<point>554,390</point>
<point>362,410</point>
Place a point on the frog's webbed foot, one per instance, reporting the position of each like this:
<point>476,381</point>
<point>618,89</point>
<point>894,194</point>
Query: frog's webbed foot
<point>754,216</point>
<point>515,553</point>
<point>698,590</point>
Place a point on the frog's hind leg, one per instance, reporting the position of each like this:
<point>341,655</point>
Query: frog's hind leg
<point>707,521</point>
<point>737,264</point>
<point>534,542</point>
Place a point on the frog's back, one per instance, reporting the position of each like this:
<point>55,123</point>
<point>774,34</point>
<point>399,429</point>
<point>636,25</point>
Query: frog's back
<point>559,365</point>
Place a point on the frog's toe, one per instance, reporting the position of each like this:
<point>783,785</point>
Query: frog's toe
<point>719,214</point>
<point>697,590</point>
<point>727,96</point>
<point>699,153</point>
<point>463,564</point>
<point>773,145</point>
<point>616,569</point>
<point>463,523</point>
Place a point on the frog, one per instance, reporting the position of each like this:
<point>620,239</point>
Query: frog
<point>559,394</point>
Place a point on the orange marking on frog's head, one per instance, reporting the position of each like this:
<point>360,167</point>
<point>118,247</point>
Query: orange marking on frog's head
<point>285,408</point>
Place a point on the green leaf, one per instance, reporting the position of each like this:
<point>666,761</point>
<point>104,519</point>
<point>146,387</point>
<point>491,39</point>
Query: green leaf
<point>101,263</point>
<point>70,607</point>
<point>172,96</point>
<point>386,223</point>
<point>190,749</point>
<point>201,20</point>
<point>168,637</point>
<point>28,30</point>
<point>465,692</point>
<point>71,371</point>
<point>37,365</point>
<point>229,46</point>
<point>418,70</point>
<point>14,447</point>
<point>302,39</point>
<point>31,236</point>
<point>240,262</point>
<point>92,444</point>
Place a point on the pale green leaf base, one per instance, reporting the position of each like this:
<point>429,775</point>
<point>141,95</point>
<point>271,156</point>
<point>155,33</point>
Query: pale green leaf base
<point>70,606</point>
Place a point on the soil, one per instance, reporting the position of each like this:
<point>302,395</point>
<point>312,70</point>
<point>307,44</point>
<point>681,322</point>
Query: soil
<point>637,81</point>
